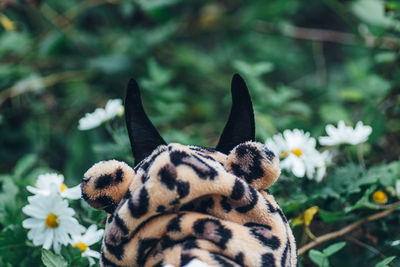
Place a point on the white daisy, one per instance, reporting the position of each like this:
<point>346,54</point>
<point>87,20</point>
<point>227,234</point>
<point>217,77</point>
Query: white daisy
<point>316,167</point>
<point>345,134</point>
<point>398,188</point>
<point>51,221</point>
<point>92,120</point>
<point>90,237</point>
<point>49,182</point>
<point>298,154</point>
<point>395,243</point>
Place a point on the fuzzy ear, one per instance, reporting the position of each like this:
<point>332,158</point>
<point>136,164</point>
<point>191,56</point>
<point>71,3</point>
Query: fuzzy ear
<point>254,163</point>
<point>105,183</point>
<point>240,126</point>
<point>142,134</point>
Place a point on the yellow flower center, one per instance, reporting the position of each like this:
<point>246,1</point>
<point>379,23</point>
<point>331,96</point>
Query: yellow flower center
<point>297,152</point>
<point>294,151</point>
<point>51,221</point>
<point>380,197</point>
<point>81,245</point>
<point>63,187</point>
<point>121,111</point>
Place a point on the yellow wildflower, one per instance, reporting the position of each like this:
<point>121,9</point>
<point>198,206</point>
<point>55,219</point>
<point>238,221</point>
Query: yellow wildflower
<point>305,217</point>
<point>380,197</point>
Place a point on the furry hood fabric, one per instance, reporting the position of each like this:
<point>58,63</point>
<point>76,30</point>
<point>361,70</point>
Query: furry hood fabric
<point>182,203</point>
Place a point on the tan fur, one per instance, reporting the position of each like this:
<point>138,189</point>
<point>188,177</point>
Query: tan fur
<point>189,203</point>
<point>103,168</point>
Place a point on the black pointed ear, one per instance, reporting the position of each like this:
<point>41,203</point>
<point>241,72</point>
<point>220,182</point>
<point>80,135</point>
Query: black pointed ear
<point>142,133</point>
<point>240,126</point>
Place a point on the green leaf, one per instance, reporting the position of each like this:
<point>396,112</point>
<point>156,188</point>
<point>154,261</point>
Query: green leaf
<point>385,57</point>
<point>127,8</point>
<point>343,181</point>
<point>300,108</point>
<point>332,249</point>
<point>392,5</point>
<point>158,76</point>
<point>14,42</point>
<point>363,201</point>
<point>386,174</point>
<point>385,262</point>
<point>378,125</point>
<point>318,258</point>
<point>372,12</point>
<point>51,43</point>
<point>109,64</point>
<point>253,69</point>
<point>282,96</point>
<point>13,247</point>
<point>72,255</point>
<point>9,209</point>
<point>24,164</point>
<point>154,4</point>
<point>52,260</point>
<point>351,94</point>
<point>332,113</point>
<point>335,216</point>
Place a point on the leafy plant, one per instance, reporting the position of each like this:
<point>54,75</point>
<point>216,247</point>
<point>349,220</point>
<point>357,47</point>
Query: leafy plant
<point>307,64</point>
<point>321,257</point>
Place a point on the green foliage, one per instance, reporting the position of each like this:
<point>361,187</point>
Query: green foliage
<point>73,256</point>
<point>53,260</point>
<point>62,59</point>
<point>321,257</point>
<point>385,262</point>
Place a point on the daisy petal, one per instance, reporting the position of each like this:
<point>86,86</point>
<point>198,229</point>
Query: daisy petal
<point>73,192</point>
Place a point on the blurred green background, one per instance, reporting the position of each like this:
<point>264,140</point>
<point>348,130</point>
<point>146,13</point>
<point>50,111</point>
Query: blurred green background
<point>307,64</point>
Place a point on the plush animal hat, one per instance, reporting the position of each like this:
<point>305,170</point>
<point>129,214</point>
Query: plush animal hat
<point>145,138</point>
<point>182,203</point>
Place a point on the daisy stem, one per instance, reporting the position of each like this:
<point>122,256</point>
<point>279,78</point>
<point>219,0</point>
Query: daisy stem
<point>348,155</point>
<point>108,128</point>
<point>360,155</point>
<point>114,136</point>
<point>111,132</point>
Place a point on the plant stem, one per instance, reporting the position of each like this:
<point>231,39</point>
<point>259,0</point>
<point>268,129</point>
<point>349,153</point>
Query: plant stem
<point>370,248</point>
<point>345,230</point>
<point>309,233</point>
<point>46,81</point>
<point>322,35</point>
<point>360,155</point>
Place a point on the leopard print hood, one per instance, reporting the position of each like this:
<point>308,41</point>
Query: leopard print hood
<point>181,202</point>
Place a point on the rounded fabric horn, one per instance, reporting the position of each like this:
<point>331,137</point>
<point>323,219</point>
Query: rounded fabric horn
<point>240,126</point>
<point>143,135</point>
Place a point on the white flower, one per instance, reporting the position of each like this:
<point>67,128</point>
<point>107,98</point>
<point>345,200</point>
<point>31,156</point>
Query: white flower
<point>316,168</point>
<point>52,223</point>
<point>345,134</point>
<point>91,236</point>
<point>92,120</point>
<point>398,188</point>
<point>49,182</point>
<point>395,243</point>
<point>298,154</point>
